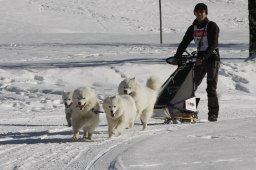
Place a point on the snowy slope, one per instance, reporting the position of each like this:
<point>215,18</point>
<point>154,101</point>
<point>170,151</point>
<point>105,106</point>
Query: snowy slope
<point>114,16</point>
<point>48,46</point>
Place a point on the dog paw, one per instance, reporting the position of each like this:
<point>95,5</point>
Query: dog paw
<point>144,125</point>
<point>110,134</point>
<point>144,128</point>
<point>115,132</point>
<point>88,138</point>
<point>75,138</point>
<point>131,125</point>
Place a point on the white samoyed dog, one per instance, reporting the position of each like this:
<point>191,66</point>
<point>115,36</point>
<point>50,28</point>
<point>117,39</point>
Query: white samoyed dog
<point>85,113</point>
<point>144,96</point>
<point>67,98</point>
<point>121,113</point>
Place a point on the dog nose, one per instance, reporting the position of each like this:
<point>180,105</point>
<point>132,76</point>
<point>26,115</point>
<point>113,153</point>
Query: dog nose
<point>111,111</point>
<point>79,103</point>
<point>125,91</point>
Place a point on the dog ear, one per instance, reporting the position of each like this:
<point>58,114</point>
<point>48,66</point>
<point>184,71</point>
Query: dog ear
<point>113,97</point>
<point>106,99</point>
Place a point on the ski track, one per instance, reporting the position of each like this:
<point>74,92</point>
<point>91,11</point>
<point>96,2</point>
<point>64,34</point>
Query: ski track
<point>120,140</point>
<point>130,139</point>
<point>97,157</point>
<point>57,155</point>
<point>49,157</point>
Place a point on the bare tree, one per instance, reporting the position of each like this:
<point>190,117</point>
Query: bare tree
<point>252,28</point>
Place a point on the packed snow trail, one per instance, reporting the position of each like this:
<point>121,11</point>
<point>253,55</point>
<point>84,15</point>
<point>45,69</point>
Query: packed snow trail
<point>202,146</point>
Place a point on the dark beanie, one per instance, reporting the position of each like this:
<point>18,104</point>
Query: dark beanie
<point>201,6</point>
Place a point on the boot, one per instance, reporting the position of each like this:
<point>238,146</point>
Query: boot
<point>213,106</point>
<point>212,118</point>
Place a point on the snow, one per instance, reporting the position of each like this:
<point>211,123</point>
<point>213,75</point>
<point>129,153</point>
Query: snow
<point>54,45</point>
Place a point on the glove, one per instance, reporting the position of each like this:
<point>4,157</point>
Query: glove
<point>177,60</point>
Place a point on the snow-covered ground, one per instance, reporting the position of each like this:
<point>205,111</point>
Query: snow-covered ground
<point>54,45</point>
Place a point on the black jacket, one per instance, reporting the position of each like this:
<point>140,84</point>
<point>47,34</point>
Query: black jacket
<point>212,52</point>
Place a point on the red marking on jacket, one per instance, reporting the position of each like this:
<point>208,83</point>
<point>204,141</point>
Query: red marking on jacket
<point>200,33</point>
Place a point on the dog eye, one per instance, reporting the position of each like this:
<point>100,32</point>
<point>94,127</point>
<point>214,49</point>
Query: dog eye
<point>83,97</point>
<point>114,106</point>
<point>109,106</point>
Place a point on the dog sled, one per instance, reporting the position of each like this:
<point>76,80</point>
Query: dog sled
<point>177,95</point>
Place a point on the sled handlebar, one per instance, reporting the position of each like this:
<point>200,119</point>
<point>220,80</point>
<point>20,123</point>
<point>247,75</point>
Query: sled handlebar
<point>188,58</point>
<point>183,60</point>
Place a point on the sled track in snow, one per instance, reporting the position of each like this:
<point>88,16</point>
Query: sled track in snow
<point>112,44</point>
<point>93,63</point>
<point>110,155</point>
<point>92,163</point>
<point>80,63</point>
<point>108,158</point>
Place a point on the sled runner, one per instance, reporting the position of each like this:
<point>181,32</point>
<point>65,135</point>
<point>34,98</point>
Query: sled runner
<point>177,95</point>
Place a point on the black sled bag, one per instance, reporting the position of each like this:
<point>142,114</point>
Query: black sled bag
<point>178,88</point>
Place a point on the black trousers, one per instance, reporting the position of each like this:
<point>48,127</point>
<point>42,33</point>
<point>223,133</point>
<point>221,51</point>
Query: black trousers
<point>211,68</point>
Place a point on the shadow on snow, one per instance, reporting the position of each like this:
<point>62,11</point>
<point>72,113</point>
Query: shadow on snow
<point>81,63</point>
<point>35,137</point>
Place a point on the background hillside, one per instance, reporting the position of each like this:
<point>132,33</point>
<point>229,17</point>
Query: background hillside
<point>115,16</point>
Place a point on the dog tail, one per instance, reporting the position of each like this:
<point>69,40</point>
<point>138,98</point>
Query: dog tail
<point>153,83</point>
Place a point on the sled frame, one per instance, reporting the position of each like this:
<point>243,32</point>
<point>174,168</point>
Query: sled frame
<point>183,115</point>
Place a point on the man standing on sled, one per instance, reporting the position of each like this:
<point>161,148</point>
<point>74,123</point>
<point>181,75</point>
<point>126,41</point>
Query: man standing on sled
<point>205,33</point>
